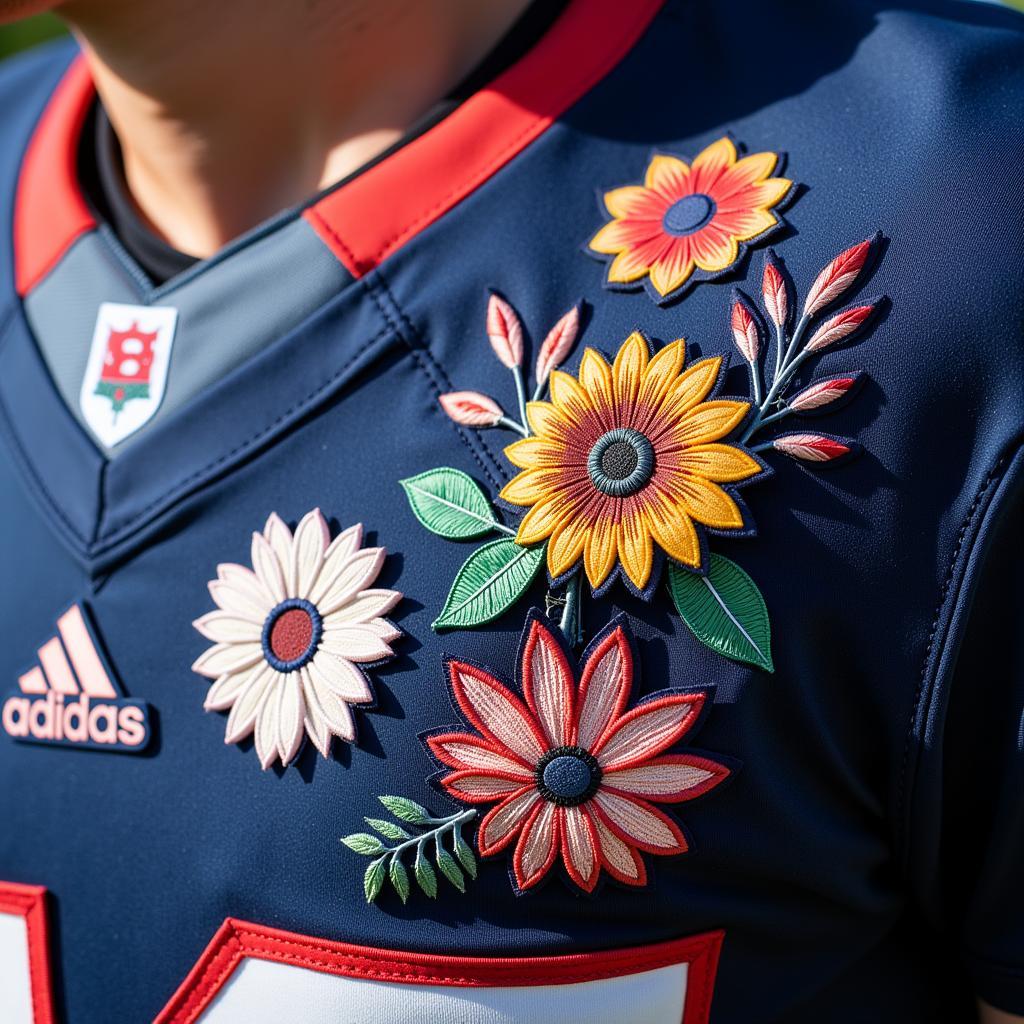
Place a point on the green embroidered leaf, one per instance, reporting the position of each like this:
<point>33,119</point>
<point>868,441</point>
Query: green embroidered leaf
<point>373,879</point>
<point>388,829</point>
<point>406,809</point>
<point>363,842</point>
<point>724,610</point>
<point>491,580</point>
<point>425,876</point>
<point>449,503</point>
<point>450,870</point>
<point>399,878</point>
<point>465,854</point>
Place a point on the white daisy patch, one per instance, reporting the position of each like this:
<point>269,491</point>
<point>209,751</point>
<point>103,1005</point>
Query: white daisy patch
<point>294,635</point>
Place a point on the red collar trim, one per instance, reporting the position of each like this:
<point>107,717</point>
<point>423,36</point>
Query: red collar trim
<point>365,221</point>
<point>374,215</point>
<point>49,211</point>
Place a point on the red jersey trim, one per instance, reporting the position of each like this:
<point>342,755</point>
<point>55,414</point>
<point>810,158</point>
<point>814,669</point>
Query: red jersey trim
<point>367,220</point>
<point>236,940</point>
<point>49,211</point>
<point>29,902</point>
<point>370,218</point>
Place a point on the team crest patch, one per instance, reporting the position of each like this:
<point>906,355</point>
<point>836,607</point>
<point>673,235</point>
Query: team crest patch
<point>69,696</point>
<point>126,374</point>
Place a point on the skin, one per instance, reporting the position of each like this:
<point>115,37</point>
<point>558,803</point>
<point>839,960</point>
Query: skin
<point>306,92</point>
<point>990,1015</point>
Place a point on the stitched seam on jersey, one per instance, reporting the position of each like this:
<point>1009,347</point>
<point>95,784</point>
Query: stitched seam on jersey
<point>118,528</point>
<point>21,455</point>
<point>237,940</point>
<point>923,690</point>
<point>232,948</point>
<point>706,990</point>
<point>101,502</point>
<point>124,262</point>
<point>425,974</point>
<point>33,968</point>
<point>427,363</point>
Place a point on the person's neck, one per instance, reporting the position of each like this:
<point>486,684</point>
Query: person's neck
<point>230,112</point>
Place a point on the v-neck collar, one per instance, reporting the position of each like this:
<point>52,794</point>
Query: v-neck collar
<point>103,507</point>
<point>366,219</point>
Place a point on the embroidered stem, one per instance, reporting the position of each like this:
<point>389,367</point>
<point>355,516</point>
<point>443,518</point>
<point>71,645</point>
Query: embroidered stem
<point>511,424</point>
<point>517,372</point>
<point>782,378</point>
<point>755,379</point>
<point>570,622</point>
<point>784,411</point>
<point>779,342</point>
<point>443,825</point>
<point>388,864</point>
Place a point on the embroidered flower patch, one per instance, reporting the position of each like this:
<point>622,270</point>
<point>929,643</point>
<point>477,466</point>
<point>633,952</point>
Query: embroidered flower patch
<point>690,222</point>
<point>629,460</point>
<point>574,770</point>
<point>294,636</point>
<point>628,465</point>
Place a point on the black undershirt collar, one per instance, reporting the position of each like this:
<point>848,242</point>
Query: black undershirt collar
<point>101,168</point>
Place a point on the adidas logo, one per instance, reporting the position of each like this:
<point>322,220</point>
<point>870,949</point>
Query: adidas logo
<point>69,697</point>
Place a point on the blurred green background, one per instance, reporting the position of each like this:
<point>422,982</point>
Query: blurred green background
<point>28,32</point>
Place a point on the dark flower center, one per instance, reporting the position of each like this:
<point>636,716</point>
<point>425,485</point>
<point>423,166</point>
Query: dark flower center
<point>688,214</point>
<point>621,462</point>
<point>568,776</point>
<point>291,634</point>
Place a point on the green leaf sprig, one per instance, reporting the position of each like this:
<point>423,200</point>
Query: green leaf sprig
<point>423,833</point>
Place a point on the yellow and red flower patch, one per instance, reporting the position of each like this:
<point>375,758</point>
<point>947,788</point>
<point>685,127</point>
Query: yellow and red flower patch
<point>690,222</point>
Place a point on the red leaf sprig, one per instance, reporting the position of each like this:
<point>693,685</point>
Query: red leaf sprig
<point>811,335</point>
<point>837,278</point>
<point>557,346</point>
<point>505,331</point>
<point>507,338</point>
<point>744,331</point>
<point>773,291</point>
<point>812,447</point>
<point>823,392</point>
<point>472,409</point>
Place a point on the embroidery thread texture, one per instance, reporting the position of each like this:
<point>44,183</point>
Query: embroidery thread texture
<point>427,839</point>
<point>630,464</point>
<point>628,459</point>
<point>690,222</point>
<point>573,769</point>
<point>294,635</point>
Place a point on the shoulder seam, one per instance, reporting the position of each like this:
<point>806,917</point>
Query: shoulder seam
<point>950,589</point>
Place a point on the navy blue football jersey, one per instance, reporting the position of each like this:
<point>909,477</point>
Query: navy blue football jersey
<point>570,571</point>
